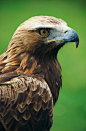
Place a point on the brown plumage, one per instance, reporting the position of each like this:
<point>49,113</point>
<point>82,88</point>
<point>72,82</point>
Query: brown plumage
<point>30,74</point>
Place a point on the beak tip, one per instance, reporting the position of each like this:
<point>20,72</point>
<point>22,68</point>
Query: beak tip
<point>77,43</point>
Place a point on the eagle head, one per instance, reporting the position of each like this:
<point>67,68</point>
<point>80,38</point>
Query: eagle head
<point>44,34</point>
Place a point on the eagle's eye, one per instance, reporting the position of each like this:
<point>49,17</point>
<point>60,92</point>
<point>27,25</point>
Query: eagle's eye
<point>43,32</point>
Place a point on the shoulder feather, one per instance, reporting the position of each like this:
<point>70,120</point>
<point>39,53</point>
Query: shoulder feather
<point>24,99</point>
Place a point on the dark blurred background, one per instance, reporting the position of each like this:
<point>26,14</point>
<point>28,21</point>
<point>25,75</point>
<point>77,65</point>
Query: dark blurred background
<point>70,110</point>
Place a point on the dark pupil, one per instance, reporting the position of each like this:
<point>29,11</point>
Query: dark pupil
<point>44,31</point>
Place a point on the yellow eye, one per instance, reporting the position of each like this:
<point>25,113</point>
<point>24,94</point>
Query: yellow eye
<point>43,32</point>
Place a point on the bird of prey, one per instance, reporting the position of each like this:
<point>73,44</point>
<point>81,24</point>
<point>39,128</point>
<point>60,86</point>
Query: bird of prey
<point>30,74</point>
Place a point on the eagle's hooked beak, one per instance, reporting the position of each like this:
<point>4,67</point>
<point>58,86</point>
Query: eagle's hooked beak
<point>69,36</point>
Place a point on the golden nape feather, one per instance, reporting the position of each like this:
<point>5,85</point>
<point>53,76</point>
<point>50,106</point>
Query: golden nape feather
<point>30,74</point>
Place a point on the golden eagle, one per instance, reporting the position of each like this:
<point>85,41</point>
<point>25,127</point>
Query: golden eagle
<point>30,74</point>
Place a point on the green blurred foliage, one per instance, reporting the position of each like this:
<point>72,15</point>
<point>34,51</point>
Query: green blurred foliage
<point>70,110</point>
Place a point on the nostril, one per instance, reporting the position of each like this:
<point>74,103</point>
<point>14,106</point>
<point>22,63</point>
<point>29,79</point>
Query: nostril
<point>66,31</point>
